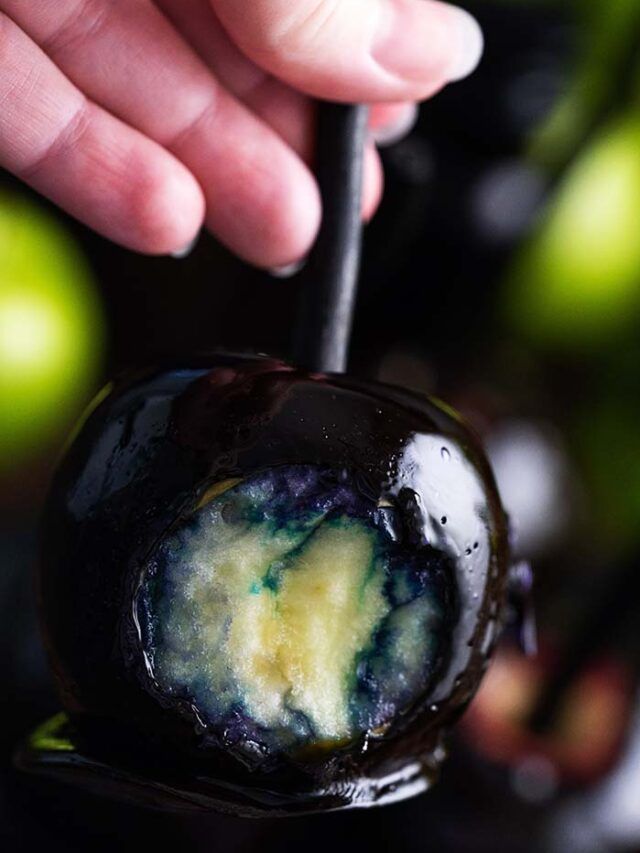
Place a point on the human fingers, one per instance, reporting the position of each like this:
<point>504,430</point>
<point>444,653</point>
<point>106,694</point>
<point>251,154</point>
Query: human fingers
<point>289,112</point>
<point>261,199</point>
<point>97,168</point>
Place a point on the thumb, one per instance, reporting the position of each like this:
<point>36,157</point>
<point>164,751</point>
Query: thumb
<point>356,50</point>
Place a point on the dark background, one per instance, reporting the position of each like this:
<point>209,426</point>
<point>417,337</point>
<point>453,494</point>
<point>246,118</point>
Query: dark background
<point>502,274</point>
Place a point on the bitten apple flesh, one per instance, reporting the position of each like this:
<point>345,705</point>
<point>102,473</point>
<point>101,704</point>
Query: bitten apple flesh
<point>289,610</point>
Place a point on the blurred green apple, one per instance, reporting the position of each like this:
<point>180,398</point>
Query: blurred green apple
<point>577,282</point>
<point>51,330</point>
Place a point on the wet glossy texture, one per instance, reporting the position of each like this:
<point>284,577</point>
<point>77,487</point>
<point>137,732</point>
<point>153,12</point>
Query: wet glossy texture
<point>210,524</point>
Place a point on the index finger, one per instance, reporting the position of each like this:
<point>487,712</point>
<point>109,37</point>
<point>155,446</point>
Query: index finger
<point>93,165</point>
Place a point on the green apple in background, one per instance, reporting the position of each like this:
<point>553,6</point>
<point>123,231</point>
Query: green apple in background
<point>576,283</point>
<point>51,330</point>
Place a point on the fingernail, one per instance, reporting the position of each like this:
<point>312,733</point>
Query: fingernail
<point>186,250</point>
<point>470,47</point>
<point>288,270</point>
<point>391,133</point>
<point>428,43</point>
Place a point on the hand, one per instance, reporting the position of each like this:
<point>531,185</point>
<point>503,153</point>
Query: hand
<point>146,120</point>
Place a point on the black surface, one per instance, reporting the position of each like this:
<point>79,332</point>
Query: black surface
<point>330,278</point>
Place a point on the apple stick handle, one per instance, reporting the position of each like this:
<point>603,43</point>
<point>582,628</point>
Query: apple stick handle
<point>329,279</point>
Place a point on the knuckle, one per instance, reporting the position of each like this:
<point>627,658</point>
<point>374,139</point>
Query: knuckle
<point>309,29</point>
<point>205,115</point>
<point>84,23</point>
<point>67,138</point>
<point>301,30</point>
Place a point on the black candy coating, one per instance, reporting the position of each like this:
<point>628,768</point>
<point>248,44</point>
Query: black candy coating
<point>139,467</point>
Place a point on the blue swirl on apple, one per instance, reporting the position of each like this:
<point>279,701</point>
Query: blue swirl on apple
<point>293,612</point>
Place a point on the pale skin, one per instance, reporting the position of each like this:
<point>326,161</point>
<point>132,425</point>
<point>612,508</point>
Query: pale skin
<point>151,120</point>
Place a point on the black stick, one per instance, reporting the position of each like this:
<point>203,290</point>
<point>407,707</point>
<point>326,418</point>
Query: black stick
<point>329,280</point>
